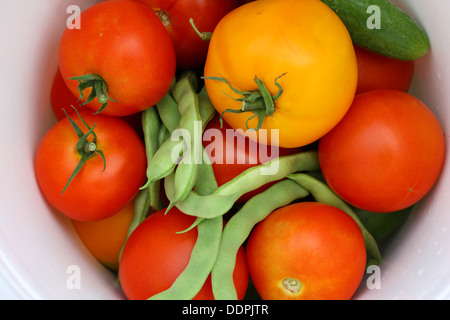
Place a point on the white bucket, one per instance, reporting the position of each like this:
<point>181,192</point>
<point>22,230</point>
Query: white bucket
<point>39,250</point>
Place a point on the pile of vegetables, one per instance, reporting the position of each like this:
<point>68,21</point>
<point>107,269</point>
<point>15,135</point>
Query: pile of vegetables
<point>205,145</point>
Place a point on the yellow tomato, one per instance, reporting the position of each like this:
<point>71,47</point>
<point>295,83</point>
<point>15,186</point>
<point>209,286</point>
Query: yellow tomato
<point>105,238</point>
<point>305,43</point>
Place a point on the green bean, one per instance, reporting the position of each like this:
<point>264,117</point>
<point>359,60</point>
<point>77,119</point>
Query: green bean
<point>187,170</point>
<point>141,210</point>
<point>169,153</point>
<point>223,199</point>
<point>168,111</point>
<point>192,78</point>
<point>163,135</point>
<point>206,181</point>
<point>238,229</point>
<point>323,193</point>
<point>205,184</point>
<point>212,202</point>
<point>162,163</point>
<point>206,108</point>
<point>202,260</point>
<point>206,248</point>
<point>151,125</point>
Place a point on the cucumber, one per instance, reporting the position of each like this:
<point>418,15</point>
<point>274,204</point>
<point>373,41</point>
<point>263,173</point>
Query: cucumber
<point>397,35</point>
<point>382,225</point>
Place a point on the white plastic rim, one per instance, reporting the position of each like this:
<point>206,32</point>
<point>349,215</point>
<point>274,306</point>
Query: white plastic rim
<point>39,250</point>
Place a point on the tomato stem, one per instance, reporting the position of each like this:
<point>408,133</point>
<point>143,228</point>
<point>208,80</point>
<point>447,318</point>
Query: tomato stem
<point>85,148</point>
<point>163,16</point>
<point>99,89</point>
<point>203,35</point>
<point>260,101</point>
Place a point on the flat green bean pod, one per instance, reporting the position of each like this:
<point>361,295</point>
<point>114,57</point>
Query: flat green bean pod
<point>151,126</point>
<point>206,248</point>
<point>223,199</point>
<point>187,170</point>
<point>215,203</point>
<point>141,210</point>
<point>162,164</point>
<point>163,135</point>
<point>202,260</point>
<point>206,108</point>
<point>323,193</point>
<point>168,111</point>
<point>239,227</point>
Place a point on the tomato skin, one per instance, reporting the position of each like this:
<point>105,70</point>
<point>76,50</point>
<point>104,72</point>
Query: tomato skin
<point>105,238</point>
<point>243,156</point>
<point>155,255</point>
<point>323,248</point>
<point>93,194</point>
<point>379,72</point>
<point>190,48</point>
<point>386,153</point>
<point>252,41</point>
<point>140,62</point>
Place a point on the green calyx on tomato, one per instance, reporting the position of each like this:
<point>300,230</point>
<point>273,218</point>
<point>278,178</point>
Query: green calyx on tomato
<point>260,101</point>
<point>99,89</point>
<point>85,148</point>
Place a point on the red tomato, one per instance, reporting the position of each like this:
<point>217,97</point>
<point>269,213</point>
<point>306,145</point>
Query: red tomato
<point>175,14</point>
<point>306,251</point>
<point>386,153</point>
<point>124,44</point>
<point>105,238</point>
<point>154,255</point>
<point>379,72</point>
<point>231,153</point>
<point>94,193</point>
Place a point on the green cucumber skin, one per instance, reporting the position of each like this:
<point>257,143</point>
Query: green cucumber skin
<point>399,37</point>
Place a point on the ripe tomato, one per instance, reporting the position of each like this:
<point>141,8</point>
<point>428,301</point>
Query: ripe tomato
<point>175,14</point>
<point>96,192</point>
<point>379,72</point>
<point>154,255</point>
<point>301,45</point>
<point>105,238</point>
<point>306,251</point>
<point>386,153</point>
<point>232,153</point>
<point>124,44</point>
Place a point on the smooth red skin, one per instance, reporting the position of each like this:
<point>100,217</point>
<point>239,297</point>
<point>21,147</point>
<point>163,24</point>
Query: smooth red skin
<point>124,43</point>
<point>386,153</point>
<point>243,158</point>
<point>155,255</point>
<point>317,244</point>
<point>190,48</point>
<point>93,194</point>
<point>379,72</point>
